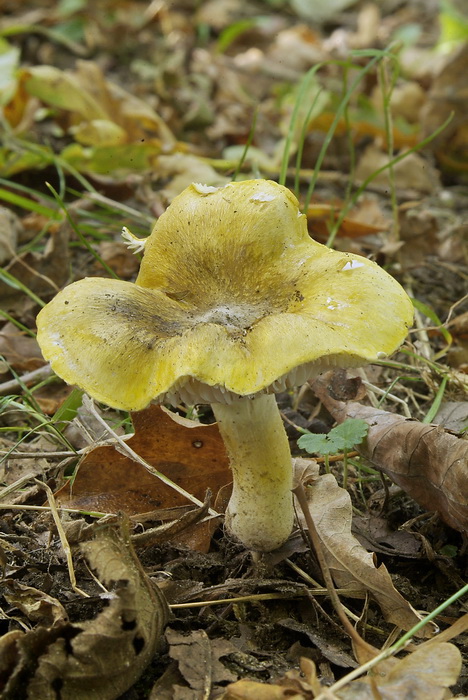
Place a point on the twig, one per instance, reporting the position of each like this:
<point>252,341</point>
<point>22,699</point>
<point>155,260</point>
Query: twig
<point>28,378</point>
<point>22,506</point>
<point>35,455</point>
<point>387,394</point>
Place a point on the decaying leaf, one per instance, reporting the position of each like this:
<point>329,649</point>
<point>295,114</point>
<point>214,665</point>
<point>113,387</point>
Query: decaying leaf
<point>425,674</point>
<point>43,273</point>
<point>10,226</point>
<point>99,658</point>
<point>189,453</point>
<point>21,351</point>
<point>198,659</point>
<point>99,108</point>
<point>429,463</point>
<point>351,566</point>
<point>411,173</point>
<point>361,221</point>
<point>35,604</point>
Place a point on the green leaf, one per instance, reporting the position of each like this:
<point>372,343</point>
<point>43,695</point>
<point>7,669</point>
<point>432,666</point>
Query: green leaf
<point>352,431</point>
<point>340,439</point>
<point>317,443</point>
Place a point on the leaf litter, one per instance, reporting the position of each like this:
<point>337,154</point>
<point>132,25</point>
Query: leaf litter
<point>138,131</point>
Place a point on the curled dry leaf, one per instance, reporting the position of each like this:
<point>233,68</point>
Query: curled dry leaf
<point>99,658</point>
<point>198,658</point>
<point>426,461</point>
<point>351,566</point>
<point>425,674</point>
<point>35,604</point>
<point>99,108</point>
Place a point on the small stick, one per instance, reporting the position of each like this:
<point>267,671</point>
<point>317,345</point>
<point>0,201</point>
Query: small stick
<point>28,378</point>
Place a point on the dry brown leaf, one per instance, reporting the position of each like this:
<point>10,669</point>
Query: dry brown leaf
<point>333,648</point>
<point>351,566</point>
<point>21,351</point>
<point>100,658</point>
<point>427,462</point>
<point>254,690</point>
<point>198,659</point>
<point>363,220</point>
<point>189,453</point>
<point>426,674</point>
<point>120,259</point>
<point>448,97</point>
<point>412,173</point>
<point>10,226</point>
<point>36,605</point>
<point>43,273</point>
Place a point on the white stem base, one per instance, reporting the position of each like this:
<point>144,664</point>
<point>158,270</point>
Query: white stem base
<point>260,513</point>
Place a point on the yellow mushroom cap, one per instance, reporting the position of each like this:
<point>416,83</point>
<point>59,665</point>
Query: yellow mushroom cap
<point>233,298</point>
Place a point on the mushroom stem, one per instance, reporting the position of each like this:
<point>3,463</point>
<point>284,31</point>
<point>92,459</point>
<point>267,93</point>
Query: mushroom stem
<point>260,513</point>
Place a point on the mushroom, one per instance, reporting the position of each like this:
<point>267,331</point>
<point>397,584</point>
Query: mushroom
<point>233,302</point>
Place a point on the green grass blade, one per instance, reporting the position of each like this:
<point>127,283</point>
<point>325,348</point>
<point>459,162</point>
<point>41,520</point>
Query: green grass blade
<point>15,283</point>
<point>28,204</point>
<point>247,146</point>
<point>373,175</point>
<point>339,113</point>
<point>303,88</point>
<point>76,229</point>
<point>434,409</point>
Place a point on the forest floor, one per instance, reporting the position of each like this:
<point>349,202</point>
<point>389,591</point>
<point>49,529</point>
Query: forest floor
<point>115,584</point>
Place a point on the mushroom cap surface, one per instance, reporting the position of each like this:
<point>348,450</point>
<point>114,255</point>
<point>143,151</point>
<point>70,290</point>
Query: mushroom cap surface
<point>233,298</point>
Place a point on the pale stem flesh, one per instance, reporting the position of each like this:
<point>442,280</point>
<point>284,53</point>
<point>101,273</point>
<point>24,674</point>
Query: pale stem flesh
<point>260,513</point>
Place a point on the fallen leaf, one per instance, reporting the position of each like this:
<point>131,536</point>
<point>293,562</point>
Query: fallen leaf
<point>119,258</point>
<point>36,605</point>
<point>332,648</point>
<point>99,658</point>
<point>198,659</point>
<point>351,566</point>
<point>413,173</point>
<point>418,230</point>
<point>10,226</point>
<point>93,101</point>
<point>361,221</point>
<point>448,96</point>
<point>453,415</point>
<point>20,351</point>
<point>189,453</point>
<point>425,674</point>
<point>426,461</point>
<point>376,535</point>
